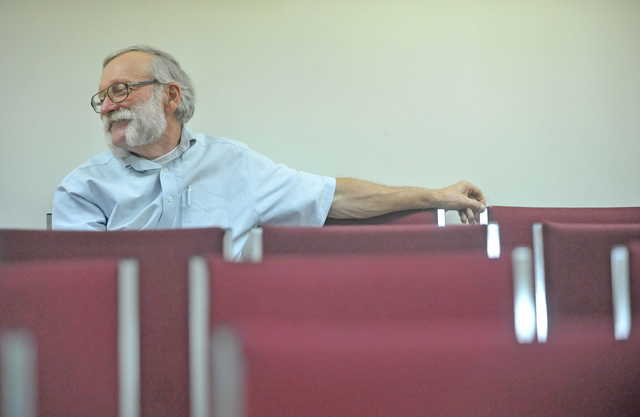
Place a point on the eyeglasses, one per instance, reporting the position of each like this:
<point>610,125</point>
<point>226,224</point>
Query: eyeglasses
<point>117,93</point>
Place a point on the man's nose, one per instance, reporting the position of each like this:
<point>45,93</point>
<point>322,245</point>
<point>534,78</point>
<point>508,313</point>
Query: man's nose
<point>108,106</point>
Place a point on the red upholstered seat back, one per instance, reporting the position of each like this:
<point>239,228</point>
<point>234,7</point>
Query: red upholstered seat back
<point>515,222</point>
<point>389,239</point>
<point>634,276</point>
<point>578,268</point>
<point>70,309</point>
<point>163,257</point>
<point>399,217</point>
<point>22,245</point>
<point>430,369</point>
<point>364,288</point>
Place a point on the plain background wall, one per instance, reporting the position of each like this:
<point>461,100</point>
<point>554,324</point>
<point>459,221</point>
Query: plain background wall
<point>537,102</point>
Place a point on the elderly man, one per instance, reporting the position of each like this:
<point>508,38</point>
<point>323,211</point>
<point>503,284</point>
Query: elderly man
<point>158,174</point>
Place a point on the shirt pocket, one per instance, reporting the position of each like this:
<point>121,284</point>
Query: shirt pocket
<point>202,208</point>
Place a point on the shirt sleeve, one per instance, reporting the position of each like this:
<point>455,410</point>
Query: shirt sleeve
<point>72,211</point>
<point>284,196</point>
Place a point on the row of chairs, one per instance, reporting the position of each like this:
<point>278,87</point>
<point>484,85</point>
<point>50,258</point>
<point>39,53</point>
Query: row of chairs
<point>515,221</point>
<point>513,217</point>
<point>475,302</point>
<point>288,359</point>
<point>89,319</point>
<point>304,315</point>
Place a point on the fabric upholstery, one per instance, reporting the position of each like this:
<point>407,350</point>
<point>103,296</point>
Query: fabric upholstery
<point>578,270</point>
<point>432,369</point>
<point>70,309</point>
<point>515,222</point>
<point>163,256</point>
<point>634,278</point>
<point>390,239</point>
<point>364,288</point>
<point>21,245</point>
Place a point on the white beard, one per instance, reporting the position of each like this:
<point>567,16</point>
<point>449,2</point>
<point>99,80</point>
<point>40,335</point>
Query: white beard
<point>147,122</point>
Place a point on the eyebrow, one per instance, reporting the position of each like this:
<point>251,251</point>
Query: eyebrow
<point>114,82</point>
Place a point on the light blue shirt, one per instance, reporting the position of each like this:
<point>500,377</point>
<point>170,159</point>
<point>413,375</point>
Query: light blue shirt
<point>203,182</point>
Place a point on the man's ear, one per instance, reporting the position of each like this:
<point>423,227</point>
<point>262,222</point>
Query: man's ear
<point>174,97</point>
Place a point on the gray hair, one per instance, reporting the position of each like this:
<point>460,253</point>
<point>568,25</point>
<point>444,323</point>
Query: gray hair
<point>166,69</point>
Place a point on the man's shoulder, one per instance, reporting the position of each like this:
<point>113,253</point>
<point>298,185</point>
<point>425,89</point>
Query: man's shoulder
<point>100,159</point>
<point>102,162</point>
<point>222,150</point>
<point>219,141</point>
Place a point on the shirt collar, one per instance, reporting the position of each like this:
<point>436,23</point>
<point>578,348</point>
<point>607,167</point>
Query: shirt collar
<point>143,164</point>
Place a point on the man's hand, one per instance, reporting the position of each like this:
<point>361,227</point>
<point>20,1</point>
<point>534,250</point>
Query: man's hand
<point>464,197</point>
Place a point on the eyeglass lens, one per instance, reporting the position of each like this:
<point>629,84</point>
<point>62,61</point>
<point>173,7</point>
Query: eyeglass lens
<point>117,92</point>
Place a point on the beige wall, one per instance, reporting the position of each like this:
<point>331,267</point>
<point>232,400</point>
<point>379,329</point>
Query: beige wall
<point>538,102</point>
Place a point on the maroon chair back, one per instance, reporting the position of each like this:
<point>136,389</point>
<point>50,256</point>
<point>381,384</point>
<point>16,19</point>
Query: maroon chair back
<point>163,257</point>
<point>399,217</point>
<point>515,222</point>
<point>364,288</point>
<point>390,239</point>
<point>422,369</point>
<point>25,245</point>
<point>70,310</point>
<point>578,272</point>
<point>634,277</point>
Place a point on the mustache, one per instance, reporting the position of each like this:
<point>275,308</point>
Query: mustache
<point>120,114</point>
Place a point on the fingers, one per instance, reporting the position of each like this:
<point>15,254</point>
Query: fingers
<point>473,216</point>
<point>475,205</point>
<point>464,197</point>
<point>469,216</point>
<point>470,201</point>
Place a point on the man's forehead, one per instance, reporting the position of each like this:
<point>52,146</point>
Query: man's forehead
<point>130,66</point>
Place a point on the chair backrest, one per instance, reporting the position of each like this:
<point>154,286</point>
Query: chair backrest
<point>163,256</point>
<point>24,245</point>
<point>625,276</point>
<point>515,222</point>
<point>414,369</point>
<point>577,271</point>
<point>82,319</point>
<point>398,217</point>
<point>363,288</point>
<point>634,268</point>
<point>389,239</point>
<point>634,275</point>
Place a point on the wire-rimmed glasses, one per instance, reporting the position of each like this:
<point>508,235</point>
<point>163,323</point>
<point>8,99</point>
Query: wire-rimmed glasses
<point>117,93</point>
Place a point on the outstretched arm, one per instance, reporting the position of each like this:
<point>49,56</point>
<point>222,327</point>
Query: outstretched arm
<point>358,199</point>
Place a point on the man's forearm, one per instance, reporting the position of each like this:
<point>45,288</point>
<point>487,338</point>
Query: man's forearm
<point>358,199</point>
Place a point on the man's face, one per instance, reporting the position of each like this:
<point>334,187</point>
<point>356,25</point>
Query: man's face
<point>141,124</point>
<point>140,118</point>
